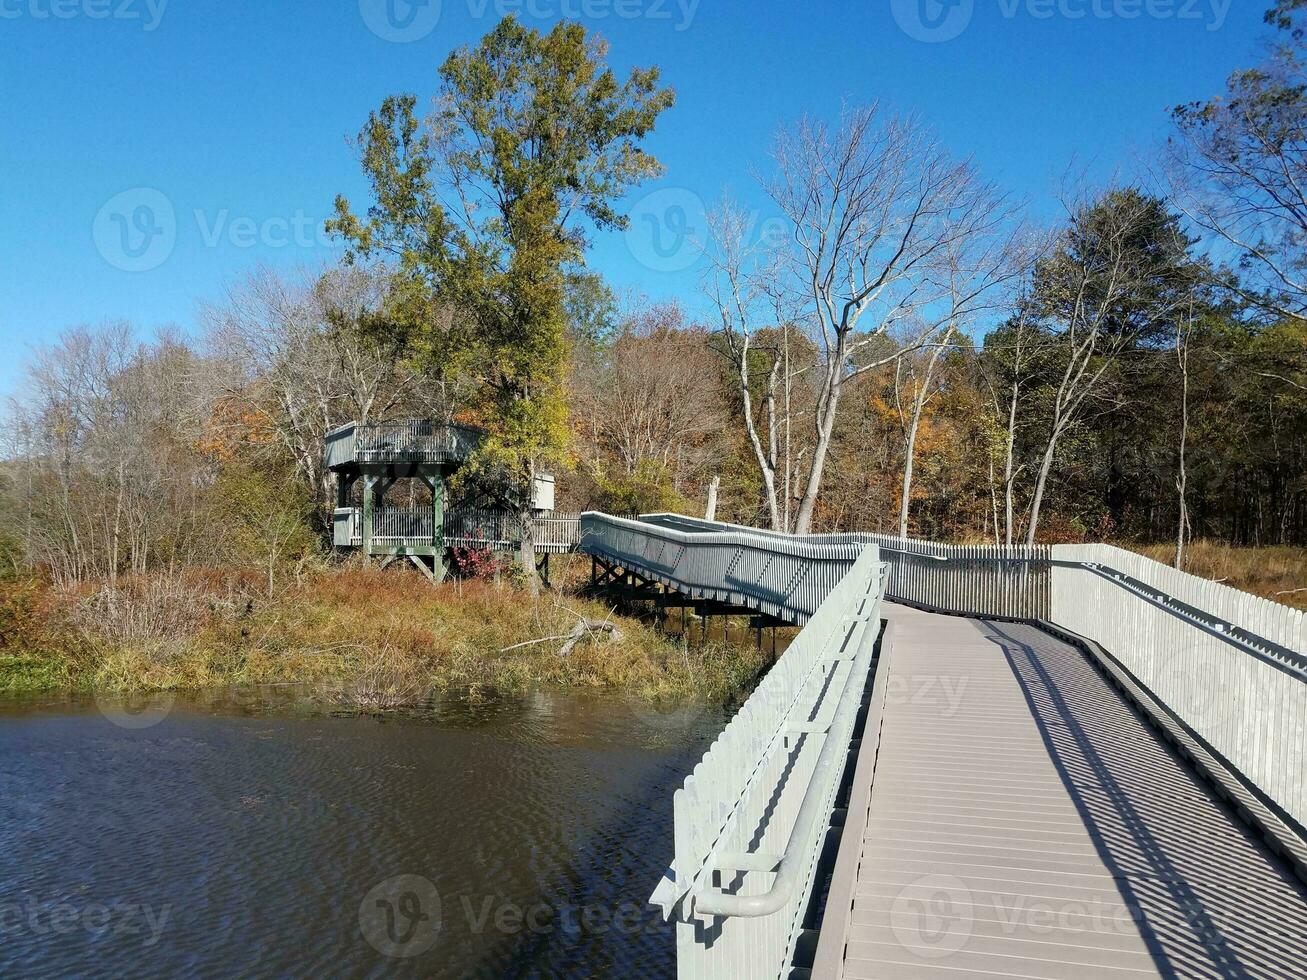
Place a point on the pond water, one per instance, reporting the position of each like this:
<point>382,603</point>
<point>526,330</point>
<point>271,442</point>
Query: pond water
<point>253,834</point>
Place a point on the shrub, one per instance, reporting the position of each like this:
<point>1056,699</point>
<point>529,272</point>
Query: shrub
<point>480,563</point>
<point>23,613</point>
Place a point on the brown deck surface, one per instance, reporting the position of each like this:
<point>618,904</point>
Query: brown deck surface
<point>1025,822</point>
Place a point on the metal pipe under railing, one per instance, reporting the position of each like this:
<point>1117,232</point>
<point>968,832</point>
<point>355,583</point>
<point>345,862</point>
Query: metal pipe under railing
<point>1291,661</point>
<point>830,763</point>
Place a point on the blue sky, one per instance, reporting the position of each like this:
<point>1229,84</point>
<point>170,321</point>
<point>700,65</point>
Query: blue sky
<point>153,150</point>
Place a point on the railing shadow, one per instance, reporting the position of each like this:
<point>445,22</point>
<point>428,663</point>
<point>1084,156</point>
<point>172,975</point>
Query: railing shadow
<point>1199,911</point>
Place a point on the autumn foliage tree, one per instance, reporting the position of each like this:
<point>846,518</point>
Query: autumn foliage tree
<point>483,207</point>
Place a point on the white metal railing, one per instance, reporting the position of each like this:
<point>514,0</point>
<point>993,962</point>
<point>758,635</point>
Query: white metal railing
<point>1232,667</point>
<point>494,529</point>
<point>498,530</point>
<point>977,580</point>
<point>783,576</point>
<point>751,820</point>
<point>403,524</point>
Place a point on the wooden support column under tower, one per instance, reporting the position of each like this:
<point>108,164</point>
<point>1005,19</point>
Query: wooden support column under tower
<point>369,506</point>
<point>435,482</point>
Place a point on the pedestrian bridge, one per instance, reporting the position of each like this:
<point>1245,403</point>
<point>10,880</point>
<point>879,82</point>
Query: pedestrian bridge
<point>976,762</point>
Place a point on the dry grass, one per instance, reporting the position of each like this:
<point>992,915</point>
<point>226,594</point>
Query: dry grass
<point>1278,573</point>
<point>383,639</point>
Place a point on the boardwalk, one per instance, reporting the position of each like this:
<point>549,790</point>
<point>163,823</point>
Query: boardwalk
<point>1018,819</point>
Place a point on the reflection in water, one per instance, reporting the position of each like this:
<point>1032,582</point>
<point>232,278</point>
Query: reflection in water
<point>249,833</point>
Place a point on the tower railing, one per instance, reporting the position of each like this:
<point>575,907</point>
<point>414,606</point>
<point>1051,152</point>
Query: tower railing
<point>403,524</point>
<point>409,441</point>
<point>463,527</point>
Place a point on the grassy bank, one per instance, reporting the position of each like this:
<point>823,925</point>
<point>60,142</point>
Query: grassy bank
<point>1278,573</point>
<point>383,638</point>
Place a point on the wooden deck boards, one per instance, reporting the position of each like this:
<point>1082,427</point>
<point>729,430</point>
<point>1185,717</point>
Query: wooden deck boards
<point>1025,822</point>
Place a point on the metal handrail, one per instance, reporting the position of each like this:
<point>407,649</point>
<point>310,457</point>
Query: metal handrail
<point>1249,642</point>
<point>784,577</point>
<point>814,810</point>
<point>771,777</point>
<point>1290,661</point>
<point>1012,581</point>
<point>1248,715</point>
<point>1244,639</point>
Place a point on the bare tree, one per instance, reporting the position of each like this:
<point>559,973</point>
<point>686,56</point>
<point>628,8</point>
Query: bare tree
<point>923,390</point>
<point>110,429</point>
<point>1238,170</point>
<point>1118,275</point>
<point>300,357</point>
<point>1184,327</point>
<point>740,283</point>
<point>974,270</point>
<point>1019,360</point>
<point>641,402</point>
<point>876,208</point>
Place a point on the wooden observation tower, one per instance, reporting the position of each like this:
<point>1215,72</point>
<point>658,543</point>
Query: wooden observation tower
<point>370,461</point>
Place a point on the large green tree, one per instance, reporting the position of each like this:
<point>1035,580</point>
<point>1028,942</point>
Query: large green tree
<point>484,208</point>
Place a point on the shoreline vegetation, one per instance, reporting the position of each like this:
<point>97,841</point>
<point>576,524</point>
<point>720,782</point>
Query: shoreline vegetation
<point>1275,572</point>
<point>388,640</point>
<point>377,640</point>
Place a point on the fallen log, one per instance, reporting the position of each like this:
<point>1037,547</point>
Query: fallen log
<point>583,628</point>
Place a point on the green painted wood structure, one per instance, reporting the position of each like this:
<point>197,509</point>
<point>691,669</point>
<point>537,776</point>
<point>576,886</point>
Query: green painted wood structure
<point>378,455</point>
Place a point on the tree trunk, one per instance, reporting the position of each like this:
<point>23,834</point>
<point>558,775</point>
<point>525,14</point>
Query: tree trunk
<point>826,425</point>
<point>1009,477</point>
<point>766,464</point>
<point>919,401</point>
<point>1182,476</point>
<point>909,453</point>
<point>710,512</point>
<point>526,553</point>
<point>993,499</point>
<point>1045,467</point>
